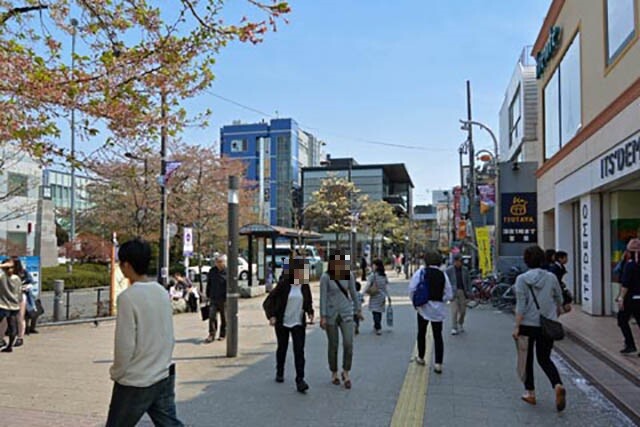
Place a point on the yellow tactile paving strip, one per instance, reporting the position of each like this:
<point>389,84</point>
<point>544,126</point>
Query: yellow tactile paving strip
<point>412,401</point>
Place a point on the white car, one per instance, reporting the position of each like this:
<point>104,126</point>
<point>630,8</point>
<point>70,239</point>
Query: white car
<point>243,271</point>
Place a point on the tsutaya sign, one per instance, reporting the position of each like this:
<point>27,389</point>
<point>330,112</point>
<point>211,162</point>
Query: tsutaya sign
<point>622,159</point>
<point>550,48</point>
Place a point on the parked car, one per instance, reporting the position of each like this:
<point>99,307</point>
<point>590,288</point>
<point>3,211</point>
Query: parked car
<point>243,271</point>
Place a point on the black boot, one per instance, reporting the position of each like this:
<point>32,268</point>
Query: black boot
<point>302,386</point>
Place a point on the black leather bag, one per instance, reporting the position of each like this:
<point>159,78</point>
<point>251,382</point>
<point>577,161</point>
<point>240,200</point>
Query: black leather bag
<point>205,312</point>
<point>551,329</point>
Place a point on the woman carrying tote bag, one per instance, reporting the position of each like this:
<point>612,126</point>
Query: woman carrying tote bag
<point>376,288</point>
<point>538,304</point>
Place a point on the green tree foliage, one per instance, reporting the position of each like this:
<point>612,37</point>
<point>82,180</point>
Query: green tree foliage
<point>334,208</point>
<point>378,219</point>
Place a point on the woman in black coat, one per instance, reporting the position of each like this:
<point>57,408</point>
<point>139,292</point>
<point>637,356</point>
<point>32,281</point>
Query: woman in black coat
<point>285,307</point>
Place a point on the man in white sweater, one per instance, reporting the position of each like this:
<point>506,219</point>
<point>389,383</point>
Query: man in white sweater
<point>143,375</point>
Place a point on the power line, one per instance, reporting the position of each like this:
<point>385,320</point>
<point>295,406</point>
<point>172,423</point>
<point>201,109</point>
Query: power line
<point>339,135</point>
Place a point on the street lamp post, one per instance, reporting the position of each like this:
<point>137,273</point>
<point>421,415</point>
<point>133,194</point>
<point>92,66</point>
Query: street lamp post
<point>163,270</point>
<point>74,25</point>
<point>466,125</point>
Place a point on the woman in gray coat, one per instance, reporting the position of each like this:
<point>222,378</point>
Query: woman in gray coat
<point>538,294</point>
<point>376,288</point>
<point>339,303</point>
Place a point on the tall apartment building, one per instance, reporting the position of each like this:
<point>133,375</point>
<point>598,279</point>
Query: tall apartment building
<point>286,150</point>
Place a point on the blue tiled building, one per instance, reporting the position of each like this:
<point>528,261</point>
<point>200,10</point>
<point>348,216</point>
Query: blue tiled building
<point>287,150</point>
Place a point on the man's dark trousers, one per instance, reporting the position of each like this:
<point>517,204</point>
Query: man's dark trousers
<point>129,404</point>
<point>218,308</point>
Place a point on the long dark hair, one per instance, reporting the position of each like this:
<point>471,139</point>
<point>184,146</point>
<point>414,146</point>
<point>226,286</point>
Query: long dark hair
<point>379,267</point>
<point>18,269</point>
<point>333,274</point>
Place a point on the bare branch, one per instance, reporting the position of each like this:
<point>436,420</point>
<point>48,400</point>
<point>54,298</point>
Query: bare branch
<point>19,11</point>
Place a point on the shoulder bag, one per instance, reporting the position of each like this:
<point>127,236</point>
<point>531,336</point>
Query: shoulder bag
<point>374,289</point>
<point>551,329</point>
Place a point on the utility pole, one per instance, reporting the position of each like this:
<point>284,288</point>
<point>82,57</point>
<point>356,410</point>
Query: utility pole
<point>352,233</point>
<point>232,274</point>
<point>472,154</point>
<point>472,172</point>
<point>72,237</point>
<point>163,267</point>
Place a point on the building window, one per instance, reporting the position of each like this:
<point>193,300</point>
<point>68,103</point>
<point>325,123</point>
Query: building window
<point>18,185</point>
<point>562,101</point>
<point>515,118</point>
<point>239,145</point>
<point>620,26</point>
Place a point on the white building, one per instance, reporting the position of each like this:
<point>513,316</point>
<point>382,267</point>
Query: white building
<point>21,207</point>
<point>519,113</point>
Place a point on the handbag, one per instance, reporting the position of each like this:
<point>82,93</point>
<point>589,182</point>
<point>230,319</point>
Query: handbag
<point>205,312</point>
<point>551,329</point>
<point>390,316</point>
<point>522,347</point>
<point>374,289</point>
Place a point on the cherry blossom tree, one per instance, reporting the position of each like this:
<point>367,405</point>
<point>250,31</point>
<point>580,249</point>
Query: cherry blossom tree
<point>130,53</point>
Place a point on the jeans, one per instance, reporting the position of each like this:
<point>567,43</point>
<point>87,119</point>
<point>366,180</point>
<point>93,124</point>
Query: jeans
<point>377,320</point>
<point>346,327</point>
<point>215,308</point>
<point>543,347</point>
<point>298,336</point>
<point>631,308</point>
<point>436,328</point>
<point>129,404</point>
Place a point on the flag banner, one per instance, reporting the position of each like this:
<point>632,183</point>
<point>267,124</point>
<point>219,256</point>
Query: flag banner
<point>484,250</point>
<point>171,167</point>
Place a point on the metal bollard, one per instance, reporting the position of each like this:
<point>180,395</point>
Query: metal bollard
<point>58,290</point>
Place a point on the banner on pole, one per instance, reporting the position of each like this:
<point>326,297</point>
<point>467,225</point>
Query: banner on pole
<point>484,250</point>
<point>187,239</point>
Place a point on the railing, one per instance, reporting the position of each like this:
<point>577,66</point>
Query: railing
<point>75,304</point>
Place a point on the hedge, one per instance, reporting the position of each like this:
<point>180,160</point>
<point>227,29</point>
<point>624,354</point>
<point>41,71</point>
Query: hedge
<point>83,276</point>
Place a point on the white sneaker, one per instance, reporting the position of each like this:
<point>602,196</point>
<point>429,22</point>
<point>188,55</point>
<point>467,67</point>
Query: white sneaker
<point>437,368</point>
<point>420,361</point>
<point>454,332</point>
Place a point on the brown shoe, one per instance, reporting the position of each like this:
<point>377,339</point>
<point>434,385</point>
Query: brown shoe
<point>530,399</point>
<point>561,398</point>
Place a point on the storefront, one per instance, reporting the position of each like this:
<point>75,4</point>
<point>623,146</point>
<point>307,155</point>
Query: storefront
<point>597,211</point>
<point>588,73</point>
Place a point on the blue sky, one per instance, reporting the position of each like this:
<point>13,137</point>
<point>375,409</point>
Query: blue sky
<point>380,70</point>
<point>391,71</point>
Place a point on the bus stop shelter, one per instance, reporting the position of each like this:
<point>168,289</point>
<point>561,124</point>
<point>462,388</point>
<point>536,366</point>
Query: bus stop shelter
<point>263,233</point>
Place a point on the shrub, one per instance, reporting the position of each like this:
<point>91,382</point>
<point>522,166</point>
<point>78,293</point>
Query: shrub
<point>84,276</point>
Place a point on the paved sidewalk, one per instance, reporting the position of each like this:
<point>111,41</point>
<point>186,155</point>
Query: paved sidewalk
<point>60,378</point>
<point>480,387</point>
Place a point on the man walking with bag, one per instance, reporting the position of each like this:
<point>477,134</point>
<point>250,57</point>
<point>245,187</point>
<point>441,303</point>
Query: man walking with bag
<point>217,294</point>
<point>143,375</point>
<point>460,280</point>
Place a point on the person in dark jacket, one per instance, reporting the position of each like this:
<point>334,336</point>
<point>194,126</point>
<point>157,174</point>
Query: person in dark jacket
<point>286,307</point>
<point>217,295</point>
<point>629,299</point>
<point>559,270</point>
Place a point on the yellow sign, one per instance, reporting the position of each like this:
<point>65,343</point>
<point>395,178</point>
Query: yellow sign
<point>484,250</point>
